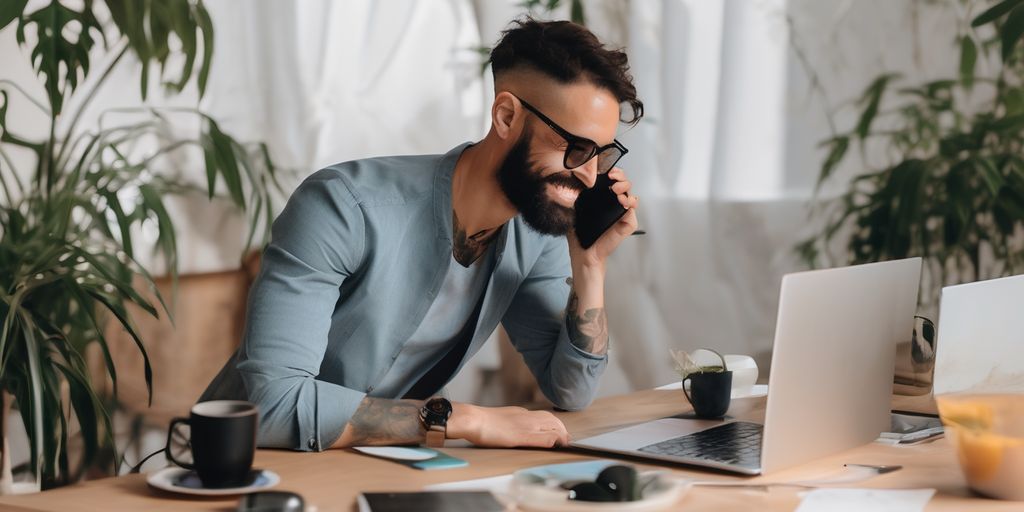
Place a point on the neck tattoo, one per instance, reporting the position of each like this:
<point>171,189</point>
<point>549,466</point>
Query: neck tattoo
<point>468,248</point>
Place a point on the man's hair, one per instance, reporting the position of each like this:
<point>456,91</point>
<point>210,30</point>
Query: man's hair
<point>569,53</point>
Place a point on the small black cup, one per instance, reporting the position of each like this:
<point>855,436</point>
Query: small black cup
<point>223,441</point>
<point>710,393</point>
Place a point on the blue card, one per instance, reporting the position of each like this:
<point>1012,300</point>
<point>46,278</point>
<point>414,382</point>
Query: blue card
<point>414,457</point>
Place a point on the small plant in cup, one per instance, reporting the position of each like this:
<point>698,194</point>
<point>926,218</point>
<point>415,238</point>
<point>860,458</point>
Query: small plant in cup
<point>686,364</point>
<point>710,385</point>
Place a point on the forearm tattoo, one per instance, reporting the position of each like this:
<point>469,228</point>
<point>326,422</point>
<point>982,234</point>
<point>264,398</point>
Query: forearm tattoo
<point>588,330</point>
<point>383,421</point>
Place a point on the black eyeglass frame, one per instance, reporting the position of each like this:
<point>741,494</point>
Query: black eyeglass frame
<point>580,142</point>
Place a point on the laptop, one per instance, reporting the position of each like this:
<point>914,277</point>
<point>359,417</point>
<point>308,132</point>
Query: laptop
<point>830,383</point>
<point>980,341</point>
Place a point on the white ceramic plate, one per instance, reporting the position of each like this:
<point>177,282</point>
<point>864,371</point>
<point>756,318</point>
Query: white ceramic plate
<point>748,392</point>
<point>538,489</point>
<point>184,481</point>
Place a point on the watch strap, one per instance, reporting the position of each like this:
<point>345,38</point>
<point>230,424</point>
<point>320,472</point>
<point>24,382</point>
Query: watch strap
<point>436,437</point>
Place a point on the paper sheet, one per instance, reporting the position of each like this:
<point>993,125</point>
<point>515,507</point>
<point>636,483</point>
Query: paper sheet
<point>499,485</point>
<point>858,500</point>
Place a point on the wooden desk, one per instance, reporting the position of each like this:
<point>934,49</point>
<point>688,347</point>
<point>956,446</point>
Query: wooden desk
<point>331,480</point>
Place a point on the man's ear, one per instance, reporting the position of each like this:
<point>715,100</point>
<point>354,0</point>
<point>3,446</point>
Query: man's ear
<point>505,115</point>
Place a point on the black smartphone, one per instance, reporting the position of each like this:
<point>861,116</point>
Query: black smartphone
<point>597,209</point>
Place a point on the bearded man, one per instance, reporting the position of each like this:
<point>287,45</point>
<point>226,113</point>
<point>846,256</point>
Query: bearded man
<point>384,275</point>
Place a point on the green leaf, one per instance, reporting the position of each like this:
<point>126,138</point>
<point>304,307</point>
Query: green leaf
<point>222,149</point>
<point>871,99</point>
<point>124,223</point>
<point>995,12</point>
<point>180,14</point>
<point>1012,123</point>
<point>990,175</point>
<point>206,27</point>
<point>89,307</point>
<point>129,327</point>
<point>84,404</point>
<point>54,52</point>
<point>576,14</point>
<point>968,58</point>
<point>1012,31</point>
<point>11,10</point>
<point>111,274</point>
<point>1013,99</point>
<point>839,145</point>
<point>166,238</point>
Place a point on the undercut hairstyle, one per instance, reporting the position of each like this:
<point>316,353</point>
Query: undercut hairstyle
<point>568,53</point>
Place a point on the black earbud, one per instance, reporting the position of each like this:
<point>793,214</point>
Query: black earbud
<point>620,480</point>
<point>590,491</point>
<point>614,483</point>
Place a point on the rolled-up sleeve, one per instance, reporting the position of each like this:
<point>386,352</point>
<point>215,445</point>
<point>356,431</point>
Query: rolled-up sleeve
<point>317,242</point>
<point>535,322</point>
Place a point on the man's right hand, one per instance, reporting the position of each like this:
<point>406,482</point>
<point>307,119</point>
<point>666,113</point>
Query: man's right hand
<point>506,427</point>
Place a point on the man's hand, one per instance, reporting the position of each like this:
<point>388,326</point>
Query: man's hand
<point>595,255</point>
<point>506,427</point>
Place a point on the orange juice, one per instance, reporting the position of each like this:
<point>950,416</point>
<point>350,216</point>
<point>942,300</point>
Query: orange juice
<point>988,432</point>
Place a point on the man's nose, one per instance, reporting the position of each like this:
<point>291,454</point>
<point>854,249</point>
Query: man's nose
<point>587,173</point>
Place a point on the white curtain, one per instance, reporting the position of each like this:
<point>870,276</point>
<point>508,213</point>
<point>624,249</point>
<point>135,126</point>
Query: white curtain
<point>723,161</point>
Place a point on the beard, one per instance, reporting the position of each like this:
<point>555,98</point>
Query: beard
<point>526,189</point>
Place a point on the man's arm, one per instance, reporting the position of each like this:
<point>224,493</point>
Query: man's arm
<point>317,243</point>
<point>585,316</point>
<point>383,421</point>
<point>587,325</point>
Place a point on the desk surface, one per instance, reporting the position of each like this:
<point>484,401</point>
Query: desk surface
<point>331,480</point>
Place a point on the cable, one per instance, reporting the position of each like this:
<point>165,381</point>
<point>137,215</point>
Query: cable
<point>137,467</point>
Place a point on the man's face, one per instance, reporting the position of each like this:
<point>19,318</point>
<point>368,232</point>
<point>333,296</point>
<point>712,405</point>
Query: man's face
<point>533,175</point>
<point>530,190</point>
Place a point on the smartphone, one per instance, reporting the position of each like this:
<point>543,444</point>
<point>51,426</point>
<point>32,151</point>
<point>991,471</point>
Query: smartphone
<point>597,209</point>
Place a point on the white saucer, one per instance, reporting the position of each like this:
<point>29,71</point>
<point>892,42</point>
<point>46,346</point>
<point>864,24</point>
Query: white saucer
<point>756,390</point>
<point>184,481</point>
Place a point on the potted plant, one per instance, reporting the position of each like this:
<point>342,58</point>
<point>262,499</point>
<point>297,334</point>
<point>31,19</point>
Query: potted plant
<point>68,259</point>
<point>952,191</point>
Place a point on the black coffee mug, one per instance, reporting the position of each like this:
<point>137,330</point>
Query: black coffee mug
<point>710,393</point>
<point>223,442</point>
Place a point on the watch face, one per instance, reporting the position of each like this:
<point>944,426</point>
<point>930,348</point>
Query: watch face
<point>439,407</point>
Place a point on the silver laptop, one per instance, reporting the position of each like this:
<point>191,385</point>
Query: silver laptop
<point>830,383</point>
<point>980,341</point>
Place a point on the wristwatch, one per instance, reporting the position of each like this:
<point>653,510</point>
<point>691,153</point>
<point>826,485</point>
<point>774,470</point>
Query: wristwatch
<point>434,416</point>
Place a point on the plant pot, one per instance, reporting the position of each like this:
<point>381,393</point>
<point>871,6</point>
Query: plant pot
<point>7,484</point>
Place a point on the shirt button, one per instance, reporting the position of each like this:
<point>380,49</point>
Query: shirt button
<point>312,443</point>
<point>369,389</point>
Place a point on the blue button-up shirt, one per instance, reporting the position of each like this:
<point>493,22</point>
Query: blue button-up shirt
<point>356,258</point>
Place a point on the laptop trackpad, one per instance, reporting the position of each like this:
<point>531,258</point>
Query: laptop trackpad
<point>638,436</point>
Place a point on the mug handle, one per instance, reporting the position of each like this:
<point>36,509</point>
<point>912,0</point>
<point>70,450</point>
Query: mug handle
<point>685,392</point>
<point>170,434</point>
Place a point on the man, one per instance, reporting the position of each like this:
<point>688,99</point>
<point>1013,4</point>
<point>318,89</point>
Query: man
<point>384,275</point>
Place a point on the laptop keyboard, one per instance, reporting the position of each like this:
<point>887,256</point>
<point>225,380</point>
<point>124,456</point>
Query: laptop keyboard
<point>736,444</point>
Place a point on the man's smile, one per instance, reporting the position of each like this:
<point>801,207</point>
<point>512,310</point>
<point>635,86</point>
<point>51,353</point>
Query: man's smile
<point>563,195</point>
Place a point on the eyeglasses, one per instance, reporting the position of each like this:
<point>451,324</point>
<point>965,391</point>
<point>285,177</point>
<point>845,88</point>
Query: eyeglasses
<point>581,149</point>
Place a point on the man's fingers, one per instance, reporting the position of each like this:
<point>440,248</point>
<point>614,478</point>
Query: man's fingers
<point>628,201</point>
<point>622,187</point>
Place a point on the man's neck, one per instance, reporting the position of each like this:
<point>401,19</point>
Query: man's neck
<point>479,207</point>
<point>477,198</point>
